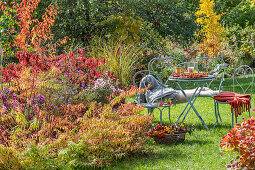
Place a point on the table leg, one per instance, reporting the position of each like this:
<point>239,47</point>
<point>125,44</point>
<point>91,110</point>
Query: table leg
<point>193,100</point>
<point>191,103</point>
<point>187,104</point>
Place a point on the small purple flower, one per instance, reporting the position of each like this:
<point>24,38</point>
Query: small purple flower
<point>3,97</point>
<point>6,104</point>
<point>252,42</point>
<point>69,102</point>
<point>41,99</point>
<point>55,99</point>
<point>234,39</point>
<point>14,96</point>
<point>5,108</point>
<point>55,107</point>
<point>14,103</point>
<point>62,98</point>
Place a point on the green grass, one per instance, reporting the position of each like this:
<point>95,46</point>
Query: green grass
<point>200,150</point>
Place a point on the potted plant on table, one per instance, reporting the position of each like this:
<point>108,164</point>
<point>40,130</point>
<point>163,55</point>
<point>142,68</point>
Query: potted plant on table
<point>169,134</point>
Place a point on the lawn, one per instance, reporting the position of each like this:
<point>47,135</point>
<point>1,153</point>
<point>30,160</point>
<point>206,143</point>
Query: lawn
<point>200,150</point>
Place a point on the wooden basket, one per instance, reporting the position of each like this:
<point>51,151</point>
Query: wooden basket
<point>171,138</point>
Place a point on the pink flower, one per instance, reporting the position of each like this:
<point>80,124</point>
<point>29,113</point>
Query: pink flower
<point>253,109</point>
<point>160,104</point>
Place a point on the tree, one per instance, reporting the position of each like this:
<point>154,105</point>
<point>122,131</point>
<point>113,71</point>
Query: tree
<point>211,32</point>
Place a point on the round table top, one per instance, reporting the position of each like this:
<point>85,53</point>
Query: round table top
<point>206,78</point>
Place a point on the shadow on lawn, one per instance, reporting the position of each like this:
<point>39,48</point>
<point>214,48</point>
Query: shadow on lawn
<point>212,126</point>
<point>196,141</point>
<point>151,157</point>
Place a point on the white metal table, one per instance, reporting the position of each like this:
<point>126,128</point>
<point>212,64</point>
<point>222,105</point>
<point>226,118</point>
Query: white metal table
<point>202,81</point>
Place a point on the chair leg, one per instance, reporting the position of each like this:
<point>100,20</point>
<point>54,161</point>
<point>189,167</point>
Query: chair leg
<point>215,112</point>
<point>218,112</point>
<point>150,110</point>
<point>169,115</point>
<point>160,116</point>
<point>232,110</point>
<point>250,113</point>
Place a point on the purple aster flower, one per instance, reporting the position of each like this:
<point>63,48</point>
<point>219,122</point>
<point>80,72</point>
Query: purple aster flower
<point>62,98</point>
<point>14,96</point>
<point>41,99</point>
<point>6,104</point>
<point>36,106</point>
<point>3,97</point>
<point>14,103</point>
<point>5,108</point>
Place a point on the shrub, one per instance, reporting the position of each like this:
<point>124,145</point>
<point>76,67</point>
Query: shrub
<point>241,139</point>
<point>242,39</point>
<point>77,140</point>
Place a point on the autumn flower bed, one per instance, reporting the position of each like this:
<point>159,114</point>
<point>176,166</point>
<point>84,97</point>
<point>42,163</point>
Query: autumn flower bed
<point>64,113</point>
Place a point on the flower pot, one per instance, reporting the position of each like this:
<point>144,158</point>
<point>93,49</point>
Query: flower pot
<point>171,138</point>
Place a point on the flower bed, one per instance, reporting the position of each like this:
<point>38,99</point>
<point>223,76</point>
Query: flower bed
<point>48,117</point>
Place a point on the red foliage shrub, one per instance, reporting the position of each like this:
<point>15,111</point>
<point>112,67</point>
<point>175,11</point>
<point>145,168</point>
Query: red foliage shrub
<point>241,139</point>
<point>78,68</point>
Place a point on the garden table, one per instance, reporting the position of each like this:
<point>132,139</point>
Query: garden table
<point>201,81</point>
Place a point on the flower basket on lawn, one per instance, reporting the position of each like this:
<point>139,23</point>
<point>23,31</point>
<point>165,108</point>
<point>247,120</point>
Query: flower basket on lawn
<point>168,134</point>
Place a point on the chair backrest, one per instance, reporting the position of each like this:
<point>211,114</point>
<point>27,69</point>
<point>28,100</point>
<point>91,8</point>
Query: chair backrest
<point>164,66</point>
<point>141,74</point>
<point>212,66</point>
<point>243,79</point>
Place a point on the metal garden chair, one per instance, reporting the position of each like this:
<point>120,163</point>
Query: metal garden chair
<point>242,74</point>
<point>164,66</point>
<point>215,67</point>
<point>159,69</point>
<point>142,79</point>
